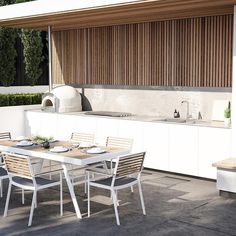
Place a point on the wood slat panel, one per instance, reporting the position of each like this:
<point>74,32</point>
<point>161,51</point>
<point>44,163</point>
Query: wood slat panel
<point>130,164</point>
<point>82,137</point>
<point>194,52</point>
<point>126,13</point>
<point>16,164</point>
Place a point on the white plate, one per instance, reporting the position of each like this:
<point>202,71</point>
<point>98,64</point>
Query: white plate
<point>95,151</point>
<point>24,143</point>
<point>21,138</point>
<point>58,149</point>
<point>86,145</point>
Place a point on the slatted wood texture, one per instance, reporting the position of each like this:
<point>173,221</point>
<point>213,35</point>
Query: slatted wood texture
<point>130,164</point>
<point>82,137</point>
<point>5,135</point>
<point>123,13</point>
<point>194,52</point>
<point>17,165</point>
<point>117,142</point>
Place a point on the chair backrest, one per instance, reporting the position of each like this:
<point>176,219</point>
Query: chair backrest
<point>17,165</point>
<point>82,137</point>
<point>125,143</point>
<point>5,135</point>
<point>128,165</point>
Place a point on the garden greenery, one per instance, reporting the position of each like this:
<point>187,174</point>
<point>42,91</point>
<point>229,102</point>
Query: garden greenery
<point>7,52</point>
<point>33,50</point>
<point>20,99</point>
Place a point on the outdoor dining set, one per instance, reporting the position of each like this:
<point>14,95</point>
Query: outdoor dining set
<point>33,166</point>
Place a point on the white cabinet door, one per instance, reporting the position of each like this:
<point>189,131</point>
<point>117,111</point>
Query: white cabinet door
<point>132,130</point>
<point>156,139</point>
<point>67,124</point>
<point>106,127</point>
<point>183,149</point>
<point>39,123</point>
<point>214,145</point>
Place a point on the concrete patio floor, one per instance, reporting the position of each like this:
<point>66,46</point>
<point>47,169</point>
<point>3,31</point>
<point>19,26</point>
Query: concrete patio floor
<point>175,205</point>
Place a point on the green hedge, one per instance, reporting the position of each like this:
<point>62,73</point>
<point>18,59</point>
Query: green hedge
<point>20,99</point>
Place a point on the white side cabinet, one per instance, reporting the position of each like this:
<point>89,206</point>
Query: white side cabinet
<point>183,149</point>
<point>156,138</point>
<point>106,127</point>
<point>67,124</point>
<point>39,123</point>
<point>214,145</point>
<point>132,130</point>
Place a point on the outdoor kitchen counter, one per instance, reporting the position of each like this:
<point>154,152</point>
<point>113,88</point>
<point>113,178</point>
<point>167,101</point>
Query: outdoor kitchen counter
<point>185,148</point>
<point>155,119</point>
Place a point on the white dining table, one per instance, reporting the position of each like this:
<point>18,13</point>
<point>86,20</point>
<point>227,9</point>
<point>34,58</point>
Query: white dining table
<point>75,156</point>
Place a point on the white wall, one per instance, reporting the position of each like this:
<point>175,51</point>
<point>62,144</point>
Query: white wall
<point>12,119</point>
<point>23,89</point>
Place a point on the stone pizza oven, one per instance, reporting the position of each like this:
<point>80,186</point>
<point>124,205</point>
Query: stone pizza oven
<point>62,99</point>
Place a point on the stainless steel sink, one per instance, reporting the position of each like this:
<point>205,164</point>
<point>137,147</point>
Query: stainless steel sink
<point>182,120</point>
<point>172,120</point>
<point>198,122</point>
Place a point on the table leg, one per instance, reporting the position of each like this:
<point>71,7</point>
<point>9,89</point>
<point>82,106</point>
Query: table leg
<point>71,190</point>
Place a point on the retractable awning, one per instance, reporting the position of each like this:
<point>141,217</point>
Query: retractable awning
<point>68,14</point>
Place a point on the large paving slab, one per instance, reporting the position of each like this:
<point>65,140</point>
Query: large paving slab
<point>176,205</point>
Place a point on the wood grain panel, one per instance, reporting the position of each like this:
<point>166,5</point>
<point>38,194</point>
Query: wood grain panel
<point>123,13</point>
<point>194,52</point>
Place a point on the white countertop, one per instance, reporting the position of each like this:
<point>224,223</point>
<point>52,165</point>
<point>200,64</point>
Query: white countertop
<point>154,119</point>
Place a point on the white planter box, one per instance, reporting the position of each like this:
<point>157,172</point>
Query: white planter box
<point>226,180</point>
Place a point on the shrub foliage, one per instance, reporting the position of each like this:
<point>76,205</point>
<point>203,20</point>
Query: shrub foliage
<point>20,99</point>
<point>7,52</point>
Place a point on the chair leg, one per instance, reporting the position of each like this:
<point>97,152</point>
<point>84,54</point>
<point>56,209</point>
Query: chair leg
<point>8,199</point>
<point>132,189</point>
<point>88,194</point>
<point>61,195</point>
<point>36,199</point>
<point>32,208</point>
<point>117,198</point>
<point>1,193</point>
<point>141,197</point>
<point>50,168</point>
<point>115,206</point>
<point>23,196</point>
<point>85,184</point>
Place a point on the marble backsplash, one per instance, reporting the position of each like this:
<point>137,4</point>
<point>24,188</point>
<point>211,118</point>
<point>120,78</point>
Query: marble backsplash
<point>154,102</point>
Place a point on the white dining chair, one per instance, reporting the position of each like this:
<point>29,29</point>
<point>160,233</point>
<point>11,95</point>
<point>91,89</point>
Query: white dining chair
<point>3,172</point>
<point>77,174</point>
<point>21,174</point>
<point>107,166</point>
<point>125,167</point>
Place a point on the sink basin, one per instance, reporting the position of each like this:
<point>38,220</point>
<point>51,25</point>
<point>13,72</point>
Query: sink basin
<point>174,120</point>
<point>181,120</point>
<point>198,122</point>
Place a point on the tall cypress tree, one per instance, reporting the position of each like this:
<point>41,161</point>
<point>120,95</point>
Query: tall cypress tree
<point>33,52</point>
<point>7,52</point>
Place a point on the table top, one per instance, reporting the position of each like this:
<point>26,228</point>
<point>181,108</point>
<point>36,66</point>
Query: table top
<point>76,156</point>
<point>229,164</point>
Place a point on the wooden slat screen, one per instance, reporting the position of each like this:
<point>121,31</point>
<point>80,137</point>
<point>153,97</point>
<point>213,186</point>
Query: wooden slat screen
<point>195,52</point>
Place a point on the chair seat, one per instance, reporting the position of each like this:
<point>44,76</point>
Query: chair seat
<point>118,182</point>
<point>3,172</point>
<point>28,182</point>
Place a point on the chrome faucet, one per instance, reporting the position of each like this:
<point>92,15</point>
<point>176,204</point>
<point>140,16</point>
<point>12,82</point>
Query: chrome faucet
<point>187,113</point>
